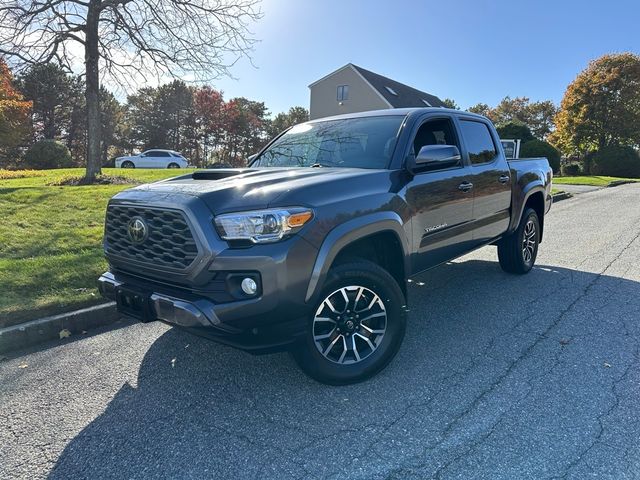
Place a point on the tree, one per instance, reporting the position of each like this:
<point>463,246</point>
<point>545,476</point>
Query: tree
<point>480,109</point>
<point>141,117</point>
<point>601,107</point>
<point>283,120</point>
<point>14,114</point>
<point>209,111</point>
<point>245,123</point>
<point>51,90</point>
<point>450,103</point>
<point>125,38</point>
<point>164,117</point>
<point>538,116</point>
<point>513,130</point>
<point>175,118</point>
<point>112,115</point>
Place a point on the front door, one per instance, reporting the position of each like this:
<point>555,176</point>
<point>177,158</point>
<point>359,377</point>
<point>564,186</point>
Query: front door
<point>440,203</point>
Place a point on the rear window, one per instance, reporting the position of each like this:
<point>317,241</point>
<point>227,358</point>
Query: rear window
<point>478,141</point>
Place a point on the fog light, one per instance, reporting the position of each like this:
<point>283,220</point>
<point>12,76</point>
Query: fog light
<point>249,286</point>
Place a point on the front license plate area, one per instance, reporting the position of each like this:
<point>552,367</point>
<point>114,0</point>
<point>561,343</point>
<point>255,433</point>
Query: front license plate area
<point>134,304</point>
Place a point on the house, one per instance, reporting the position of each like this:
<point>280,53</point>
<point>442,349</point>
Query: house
<point>354,89</point>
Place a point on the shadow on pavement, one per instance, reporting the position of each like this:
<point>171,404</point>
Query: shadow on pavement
<point>204,410</point>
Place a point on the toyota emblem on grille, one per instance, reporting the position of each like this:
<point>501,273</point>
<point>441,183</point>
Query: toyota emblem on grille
<point>137,230</point>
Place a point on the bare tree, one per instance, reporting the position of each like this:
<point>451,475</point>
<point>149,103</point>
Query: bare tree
<point>128,40</point>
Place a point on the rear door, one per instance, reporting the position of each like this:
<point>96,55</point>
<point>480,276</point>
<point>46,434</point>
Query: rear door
<point>441,208</point>
<point>490,176</point>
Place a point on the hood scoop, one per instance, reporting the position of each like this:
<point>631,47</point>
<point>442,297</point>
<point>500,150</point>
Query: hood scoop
<point>219,174</point>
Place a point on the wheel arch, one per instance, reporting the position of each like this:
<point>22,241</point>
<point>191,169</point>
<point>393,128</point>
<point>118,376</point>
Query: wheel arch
<point>363,237</point>
<point>534,198</point>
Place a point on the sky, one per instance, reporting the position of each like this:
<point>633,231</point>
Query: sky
<point>469,50</point>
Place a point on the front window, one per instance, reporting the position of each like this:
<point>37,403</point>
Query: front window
<point>366,142</point>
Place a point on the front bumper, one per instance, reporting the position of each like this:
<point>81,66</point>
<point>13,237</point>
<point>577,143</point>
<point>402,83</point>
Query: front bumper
<point>198,316</point>
<point>149,306</point>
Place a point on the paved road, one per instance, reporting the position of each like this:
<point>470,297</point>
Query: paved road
<point>499,377</point>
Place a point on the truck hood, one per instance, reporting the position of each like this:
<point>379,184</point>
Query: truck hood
<point>225,190</point>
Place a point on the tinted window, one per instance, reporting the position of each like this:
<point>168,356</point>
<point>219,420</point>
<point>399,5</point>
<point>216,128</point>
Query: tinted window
<point>162,154</point>
<point>434,132</point>
<point>478,140</point>
<point>353,143</point>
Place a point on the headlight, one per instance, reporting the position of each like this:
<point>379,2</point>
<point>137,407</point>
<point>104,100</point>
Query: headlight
<point>262,226</point>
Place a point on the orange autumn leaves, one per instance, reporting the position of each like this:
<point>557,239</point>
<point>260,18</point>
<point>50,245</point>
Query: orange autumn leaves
<point>14,113</point>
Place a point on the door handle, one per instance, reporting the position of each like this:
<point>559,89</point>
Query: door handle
<point>504,178</point>
<point>465,186</point>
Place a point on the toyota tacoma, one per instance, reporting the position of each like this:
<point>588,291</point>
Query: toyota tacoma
<point>311,246</point>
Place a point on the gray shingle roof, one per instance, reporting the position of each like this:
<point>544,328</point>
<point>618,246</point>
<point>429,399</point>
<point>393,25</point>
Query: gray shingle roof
<point>406,96</point>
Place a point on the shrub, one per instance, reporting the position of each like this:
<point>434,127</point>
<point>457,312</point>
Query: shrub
<point>570,169</point>
<point>514,131</point>
<point>46,154</point>
<point>616,161</point>
<point>538,148</point>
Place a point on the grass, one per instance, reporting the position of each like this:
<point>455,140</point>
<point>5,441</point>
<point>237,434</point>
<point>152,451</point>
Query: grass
<point>50,240</point>
<point>597,181</point>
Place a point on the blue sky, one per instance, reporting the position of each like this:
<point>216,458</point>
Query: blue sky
<point>469,50</point>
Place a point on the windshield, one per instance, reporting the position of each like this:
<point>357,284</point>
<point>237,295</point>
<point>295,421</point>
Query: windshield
<point>365,142</point>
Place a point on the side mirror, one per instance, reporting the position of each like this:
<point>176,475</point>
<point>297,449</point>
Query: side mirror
<point>434,157</point>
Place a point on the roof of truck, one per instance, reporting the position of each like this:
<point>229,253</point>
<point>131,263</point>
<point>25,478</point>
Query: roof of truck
<point>396,112</point>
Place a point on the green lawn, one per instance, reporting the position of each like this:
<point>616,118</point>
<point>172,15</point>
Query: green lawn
<point>50,241</point>
<point>598,181</point>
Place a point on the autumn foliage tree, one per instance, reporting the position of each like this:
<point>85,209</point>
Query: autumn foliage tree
<point>601,107</point>
<point>14,115</point>
<point>210,119</point>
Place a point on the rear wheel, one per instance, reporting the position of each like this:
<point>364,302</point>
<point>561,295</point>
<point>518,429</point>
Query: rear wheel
<point>128,164</point>
<point>517,253</point>
<point>357,326</point>
<point>173,165</point>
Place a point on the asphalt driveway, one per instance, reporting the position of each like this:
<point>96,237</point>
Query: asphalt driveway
<point>499,377</point>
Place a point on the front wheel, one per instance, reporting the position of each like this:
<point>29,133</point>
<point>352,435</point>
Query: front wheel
<point>128,164</point>
<point>357,326</point>
<point>517,252</point>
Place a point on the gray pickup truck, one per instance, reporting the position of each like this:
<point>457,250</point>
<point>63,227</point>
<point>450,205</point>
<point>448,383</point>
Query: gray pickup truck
<point>310,248</point>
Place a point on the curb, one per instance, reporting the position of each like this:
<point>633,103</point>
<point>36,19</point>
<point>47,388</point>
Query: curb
<point>48,328</point>
<point>620,182</point>
<point>561,196</point>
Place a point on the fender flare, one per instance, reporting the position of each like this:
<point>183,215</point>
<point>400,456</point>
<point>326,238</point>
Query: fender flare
<point>533,188</point>
<point>349,232</point>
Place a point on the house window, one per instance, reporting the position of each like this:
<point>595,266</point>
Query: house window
<point>391,91</point>
<point>343,93</point>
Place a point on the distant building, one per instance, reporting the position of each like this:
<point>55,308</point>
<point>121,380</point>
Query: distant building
<point>353,89</point>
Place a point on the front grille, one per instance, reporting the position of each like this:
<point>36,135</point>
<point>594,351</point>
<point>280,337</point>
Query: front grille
<point>169,242</point>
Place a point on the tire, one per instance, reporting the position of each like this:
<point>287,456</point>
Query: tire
<point>517,252</point>
<point>173,165</point>
<point>371,342</point>
<point>127,164</point>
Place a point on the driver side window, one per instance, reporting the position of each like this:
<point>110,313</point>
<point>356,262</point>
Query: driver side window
<point>435,132</point>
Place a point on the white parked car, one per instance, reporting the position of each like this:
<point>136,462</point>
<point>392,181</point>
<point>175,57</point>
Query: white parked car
<point>153,159</point>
